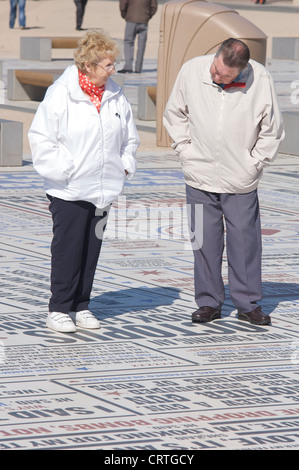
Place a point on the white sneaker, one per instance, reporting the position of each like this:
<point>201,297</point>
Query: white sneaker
<point>85,319</point>
<point>61,322</point>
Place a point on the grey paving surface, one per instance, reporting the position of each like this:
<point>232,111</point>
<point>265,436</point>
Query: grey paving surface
<point>149,379</point>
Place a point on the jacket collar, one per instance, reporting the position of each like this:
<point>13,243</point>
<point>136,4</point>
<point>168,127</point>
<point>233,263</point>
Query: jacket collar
<point>243,77</point>
<point>206,76</point>
<point>70,80</point>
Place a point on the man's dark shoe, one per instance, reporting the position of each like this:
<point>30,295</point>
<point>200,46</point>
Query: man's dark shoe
<point>256,317</point>
<point>205,314</point>
<point>125,71</point>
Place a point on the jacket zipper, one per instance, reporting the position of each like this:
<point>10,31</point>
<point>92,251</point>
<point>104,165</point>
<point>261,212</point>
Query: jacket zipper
<point>219,139</point>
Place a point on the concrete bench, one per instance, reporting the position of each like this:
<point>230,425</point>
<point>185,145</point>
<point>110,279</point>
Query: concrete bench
<point>290,145</point>
<point>285,48</point>
<point>32,84</point>
<point>147,96</point>
<point>11,143</point>
<point>40,48</point>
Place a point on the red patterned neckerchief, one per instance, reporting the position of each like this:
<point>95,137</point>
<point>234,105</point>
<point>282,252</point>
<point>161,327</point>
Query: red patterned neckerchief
<point>95,93</point>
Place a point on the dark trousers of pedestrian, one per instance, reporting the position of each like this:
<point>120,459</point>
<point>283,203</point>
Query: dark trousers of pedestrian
<point>80,10</point>
<point>131,31</point>
<point>238,215</point>
<point>75,250</point>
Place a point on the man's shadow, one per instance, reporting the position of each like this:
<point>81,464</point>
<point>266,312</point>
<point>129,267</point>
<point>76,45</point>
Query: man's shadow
<point>273,294</point>
<point>276,292</point>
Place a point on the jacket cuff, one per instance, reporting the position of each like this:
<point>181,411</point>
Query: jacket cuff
<point>129,164</point>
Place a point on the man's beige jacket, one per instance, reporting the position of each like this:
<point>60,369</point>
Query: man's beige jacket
<point>225,137</point>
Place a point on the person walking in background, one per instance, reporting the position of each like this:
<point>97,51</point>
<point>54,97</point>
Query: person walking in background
<point>137,14</point>
<point>13,13</point>
<point>225,123</point>
<point>83,142</point>
<point>80,10</point>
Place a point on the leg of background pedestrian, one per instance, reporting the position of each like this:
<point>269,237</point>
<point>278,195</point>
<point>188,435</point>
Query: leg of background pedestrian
<point>22,16</point>
<point>129,41</point>
<point>79,13</point>
<point>13,13</point>
<point>83,3</point>
<point>142,38</point>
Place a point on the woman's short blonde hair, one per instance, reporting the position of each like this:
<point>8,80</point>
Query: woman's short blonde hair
<point>94,47</point>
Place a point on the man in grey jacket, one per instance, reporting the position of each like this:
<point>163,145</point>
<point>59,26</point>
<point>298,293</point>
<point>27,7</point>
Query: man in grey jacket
<point>226,126</point>
<point>137,14</point>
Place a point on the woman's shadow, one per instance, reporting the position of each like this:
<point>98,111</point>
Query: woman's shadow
<point>136,299</point>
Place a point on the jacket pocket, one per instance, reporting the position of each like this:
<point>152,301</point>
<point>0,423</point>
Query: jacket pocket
<point>184,152</point>
<point>251,164</point>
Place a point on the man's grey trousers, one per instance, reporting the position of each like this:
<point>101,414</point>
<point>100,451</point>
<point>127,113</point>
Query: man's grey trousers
<point>207,213</point>
<point>131,31</point>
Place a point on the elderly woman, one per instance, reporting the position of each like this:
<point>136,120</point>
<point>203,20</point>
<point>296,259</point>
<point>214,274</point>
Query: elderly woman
<point>83,141</point>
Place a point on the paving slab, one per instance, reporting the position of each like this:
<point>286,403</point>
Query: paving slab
<point>149,379</point>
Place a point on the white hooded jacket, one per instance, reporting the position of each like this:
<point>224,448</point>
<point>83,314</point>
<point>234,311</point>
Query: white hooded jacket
<point>80,153</point>
<point>225,137</point>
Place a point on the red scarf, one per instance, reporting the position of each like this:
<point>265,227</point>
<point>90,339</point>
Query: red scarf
<point>235,84</point>
<point>95,93</point>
